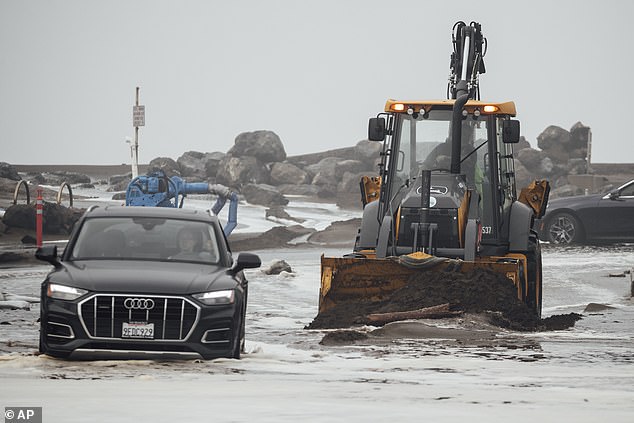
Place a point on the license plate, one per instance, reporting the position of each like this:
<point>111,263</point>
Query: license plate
<point>139,330</point>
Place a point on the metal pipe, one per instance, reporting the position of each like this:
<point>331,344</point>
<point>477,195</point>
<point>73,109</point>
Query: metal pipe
<point>456,132</point>
<point>465,55</point>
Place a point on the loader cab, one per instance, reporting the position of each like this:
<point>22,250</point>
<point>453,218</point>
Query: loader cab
<point>419,137</point>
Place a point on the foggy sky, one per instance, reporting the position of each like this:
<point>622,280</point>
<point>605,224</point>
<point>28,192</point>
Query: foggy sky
<point>312,72</point>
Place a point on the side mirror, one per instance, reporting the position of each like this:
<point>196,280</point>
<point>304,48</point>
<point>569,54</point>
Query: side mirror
<point>511,131</point>
<point>48,253</point>
<point>376,129</point>
<point>246,261</point>
<point>614,195</point>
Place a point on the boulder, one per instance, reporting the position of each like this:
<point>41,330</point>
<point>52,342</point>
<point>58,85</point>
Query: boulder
<point>546,167</point>
<point>339,232</point>
<point>559,154</point>
<point>350,183</point>
<point>199,166</point>
<point>264,195</point>
<point>237,171</point>
<point>326,166</point>
<point>276,267</point>
<point>57,219</point>
<point>349,191</point>
<point>327,192</point>
<point>576,167</point>
<point>277,213</point>
<point>28,240</point>
<point>530,158</point>
<point>578,153</point>
<point>213,163</point>
<point>368,152</point>
<point>523,176</point>
<point>266,146</point>
<point>553,136</point>
<point>349,166</point>
<point>35,178</point>
<point>119,182</point>
<point>192,164</point>
<point>7,186</point>
<point>7,171</point>
<point>324,178</point>
<point>305,160</point>
<point>522,144</point>
<point>579,136</point>
<point>286,173</point>
<point>166,164</point>
<point>58,178</point>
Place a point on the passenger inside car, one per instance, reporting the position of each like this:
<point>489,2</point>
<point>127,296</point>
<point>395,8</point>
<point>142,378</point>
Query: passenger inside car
<point>107,244</point>
<point>190,243</point>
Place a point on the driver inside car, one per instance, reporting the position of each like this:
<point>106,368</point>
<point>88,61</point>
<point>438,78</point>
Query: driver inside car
<point>190,243</point>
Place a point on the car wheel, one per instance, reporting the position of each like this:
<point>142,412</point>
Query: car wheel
<point>564,228</point>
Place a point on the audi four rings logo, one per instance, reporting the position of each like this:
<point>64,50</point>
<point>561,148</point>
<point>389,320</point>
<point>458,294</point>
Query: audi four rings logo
<point>139,303</point>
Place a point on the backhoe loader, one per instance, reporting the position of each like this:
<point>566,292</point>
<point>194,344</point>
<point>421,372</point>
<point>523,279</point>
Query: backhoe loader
<point>445,198</point>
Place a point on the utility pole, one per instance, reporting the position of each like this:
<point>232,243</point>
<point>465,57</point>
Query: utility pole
<point>589,152</point>
<point>138,119</point>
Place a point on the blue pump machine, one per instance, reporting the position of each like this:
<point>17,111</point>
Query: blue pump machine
<point>156,189</point>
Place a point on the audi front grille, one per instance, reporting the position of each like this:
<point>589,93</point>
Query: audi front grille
<point>103,315</point>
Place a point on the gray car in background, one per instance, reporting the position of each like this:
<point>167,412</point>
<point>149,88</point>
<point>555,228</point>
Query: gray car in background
<point>597,218</point>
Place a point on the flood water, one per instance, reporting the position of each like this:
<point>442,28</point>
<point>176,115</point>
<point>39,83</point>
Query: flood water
<point>580,374</point>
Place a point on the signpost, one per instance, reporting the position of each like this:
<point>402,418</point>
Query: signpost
<point>138,116</point>
<point>138,119</point>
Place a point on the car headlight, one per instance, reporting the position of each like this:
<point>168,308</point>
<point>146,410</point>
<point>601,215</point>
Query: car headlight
<point>63,292</point>
<point>216,297</point>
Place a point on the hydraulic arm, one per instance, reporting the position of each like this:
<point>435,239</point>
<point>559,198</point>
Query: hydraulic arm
<point>467,61</point>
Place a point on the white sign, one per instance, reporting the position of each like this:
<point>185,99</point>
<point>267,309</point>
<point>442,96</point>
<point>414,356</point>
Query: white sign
<point>138,116</point>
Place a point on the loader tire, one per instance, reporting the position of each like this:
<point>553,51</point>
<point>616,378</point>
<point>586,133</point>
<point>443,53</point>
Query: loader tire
<point>534,275</point>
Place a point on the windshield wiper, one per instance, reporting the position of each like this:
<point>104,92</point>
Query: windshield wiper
<point>474,150</point>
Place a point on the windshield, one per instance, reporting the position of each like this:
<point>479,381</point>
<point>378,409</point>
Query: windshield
<point>425,144</point>
<point>126,238</point>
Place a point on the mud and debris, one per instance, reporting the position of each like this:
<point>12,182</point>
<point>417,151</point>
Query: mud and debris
<point>477,291</point>
<point>595,308</point>
<point>340,337</point>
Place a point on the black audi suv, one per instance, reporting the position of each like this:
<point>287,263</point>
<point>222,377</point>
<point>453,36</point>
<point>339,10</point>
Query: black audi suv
<point>144,282</point>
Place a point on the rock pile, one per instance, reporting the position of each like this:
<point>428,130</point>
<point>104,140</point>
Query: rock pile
<point>562,154</point>
<point>258,167</point>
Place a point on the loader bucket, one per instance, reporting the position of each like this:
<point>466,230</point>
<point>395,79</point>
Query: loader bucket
<point>352,280</point>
